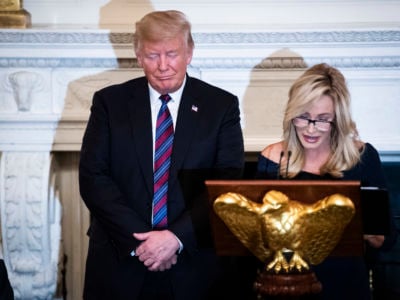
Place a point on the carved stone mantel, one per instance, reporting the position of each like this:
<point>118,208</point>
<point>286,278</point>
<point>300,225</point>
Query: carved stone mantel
<point>48,77</point>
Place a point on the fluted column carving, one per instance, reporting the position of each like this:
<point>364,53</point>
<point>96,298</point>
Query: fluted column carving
<point>30,222</point>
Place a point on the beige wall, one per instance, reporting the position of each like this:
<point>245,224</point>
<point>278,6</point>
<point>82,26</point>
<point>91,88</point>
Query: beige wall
<point>221,14</point>
<point>75,222</point>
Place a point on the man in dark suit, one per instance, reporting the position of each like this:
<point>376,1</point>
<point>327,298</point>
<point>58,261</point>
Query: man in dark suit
<point>6,291</point>
<point>130,255</point>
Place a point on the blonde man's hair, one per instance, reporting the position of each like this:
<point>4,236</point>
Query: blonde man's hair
<point>162,25</point>
<point>317,81</point>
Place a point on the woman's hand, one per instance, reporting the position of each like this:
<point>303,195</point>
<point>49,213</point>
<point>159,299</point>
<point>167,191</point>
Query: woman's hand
<point>375,241</point>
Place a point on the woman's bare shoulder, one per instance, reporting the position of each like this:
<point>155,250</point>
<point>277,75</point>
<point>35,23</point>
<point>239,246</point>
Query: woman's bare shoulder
<point>273,151</point>
<point>360,144</point>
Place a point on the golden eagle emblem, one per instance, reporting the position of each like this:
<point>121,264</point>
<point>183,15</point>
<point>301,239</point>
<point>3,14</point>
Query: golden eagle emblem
<point>309,232</point>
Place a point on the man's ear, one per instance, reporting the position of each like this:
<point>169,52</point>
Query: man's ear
<point>139,60</point>
<point>189,56</point>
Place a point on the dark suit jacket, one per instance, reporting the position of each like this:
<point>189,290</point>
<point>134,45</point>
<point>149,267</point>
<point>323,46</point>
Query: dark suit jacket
<point>116,182</point>
<point>6,291</point>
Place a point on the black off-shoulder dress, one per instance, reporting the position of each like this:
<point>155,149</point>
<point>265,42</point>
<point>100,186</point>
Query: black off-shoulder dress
<point>342,277</point>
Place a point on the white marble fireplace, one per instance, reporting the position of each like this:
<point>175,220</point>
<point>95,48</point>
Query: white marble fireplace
<point>48,75</point>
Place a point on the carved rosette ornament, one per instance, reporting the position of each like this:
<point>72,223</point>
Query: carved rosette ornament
<point>13,15</point>
<point>30,222</point>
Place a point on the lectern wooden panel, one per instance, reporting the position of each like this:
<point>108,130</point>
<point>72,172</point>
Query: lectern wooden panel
<point>226,243</point>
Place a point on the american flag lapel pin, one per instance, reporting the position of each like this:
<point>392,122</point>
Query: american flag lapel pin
<point>194,108</point>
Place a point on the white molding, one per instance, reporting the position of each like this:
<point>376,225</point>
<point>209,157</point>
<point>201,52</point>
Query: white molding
<point>30,223</point>
<point>79,61</point>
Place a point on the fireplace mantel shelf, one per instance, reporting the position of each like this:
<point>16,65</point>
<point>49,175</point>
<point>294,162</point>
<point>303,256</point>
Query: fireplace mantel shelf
<point>51,73</point>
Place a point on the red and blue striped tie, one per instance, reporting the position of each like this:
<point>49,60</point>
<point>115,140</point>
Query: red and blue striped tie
<point>162,160</point>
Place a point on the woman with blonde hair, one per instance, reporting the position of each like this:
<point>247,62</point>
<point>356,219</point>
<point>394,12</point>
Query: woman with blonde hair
<point>320,141</point>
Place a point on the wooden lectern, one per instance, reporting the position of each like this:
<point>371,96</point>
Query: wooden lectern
<point>351,243</point>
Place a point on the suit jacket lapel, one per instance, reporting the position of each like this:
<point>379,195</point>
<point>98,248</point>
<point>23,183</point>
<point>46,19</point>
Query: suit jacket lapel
<point>185,126</point>
<point>140,112</point>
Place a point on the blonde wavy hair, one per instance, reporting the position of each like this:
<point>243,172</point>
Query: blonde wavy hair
<point>319,80</point>
<point>162,25</point>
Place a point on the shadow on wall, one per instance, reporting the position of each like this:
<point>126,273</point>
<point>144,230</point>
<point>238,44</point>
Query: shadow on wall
<point>267,91</point>
<point>120,12</point>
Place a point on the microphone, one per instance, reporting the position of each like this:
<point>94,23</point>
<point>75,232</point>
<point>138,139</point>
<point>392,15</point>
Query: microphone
<point>287,162</point>
<point>278,174</point>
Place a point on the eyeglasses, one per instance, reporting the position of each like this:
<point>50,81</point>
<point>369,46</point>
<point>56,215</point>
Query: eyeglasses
<point>321,125</point>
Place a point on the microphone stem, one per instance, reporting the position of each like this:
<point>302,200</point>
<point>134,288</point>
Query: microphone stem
<point>278,174</point>
<point>287,163</point>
